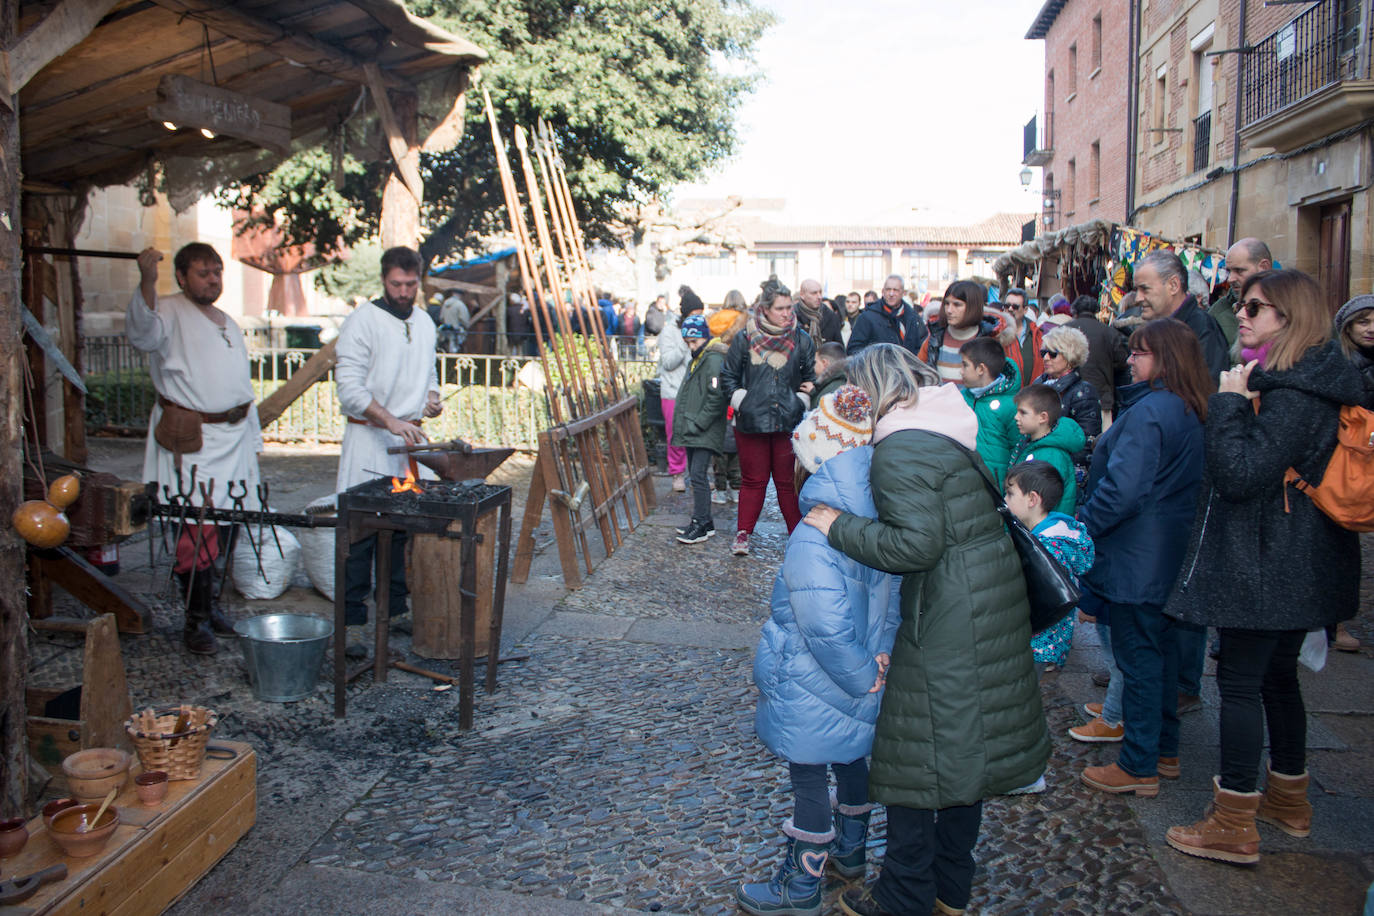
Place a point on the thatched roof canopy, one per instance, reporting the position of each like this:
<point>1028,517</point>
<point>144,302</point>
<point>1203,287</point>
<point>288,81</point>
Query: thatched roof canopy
<point>84,116</point>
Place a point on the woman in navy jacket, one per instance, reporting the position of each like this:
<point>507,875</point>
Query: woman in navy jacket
<point>1141,498</point>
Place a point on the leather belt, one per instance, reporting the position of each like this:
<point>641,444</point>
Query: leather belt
<point>355,420</point>
<point>232,415</point>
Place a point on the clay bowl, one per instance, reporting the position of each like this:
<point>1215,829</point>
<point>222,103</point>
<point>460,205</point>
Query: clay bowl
<point>56,805</point>
<point>13,836</point>
<point>91,774</point>
<point>151,787</point>
<point>66,824</point>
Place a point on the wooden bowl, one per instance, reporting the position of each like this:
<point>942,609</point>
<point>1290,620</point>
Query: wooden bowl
<point>92,773</point>
<point>65,825</point>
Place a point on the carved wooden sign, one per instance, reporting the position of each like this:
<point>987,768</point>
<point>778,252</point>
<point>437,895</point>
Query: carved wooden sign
<point>189,103</point>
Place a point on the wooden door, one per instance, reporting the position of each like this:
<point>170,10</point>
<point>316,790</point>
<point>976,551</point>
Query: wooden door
<point>1335,254</point>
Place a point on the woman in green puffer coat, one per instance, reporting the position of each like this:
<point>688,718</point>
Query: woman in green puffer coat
<point>961,719</point>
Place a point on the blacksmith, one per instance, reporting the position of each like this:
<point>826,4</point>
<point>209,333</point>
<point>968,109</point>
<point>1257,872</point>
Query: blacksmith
<point>386,383</point>
<point>204,417</point>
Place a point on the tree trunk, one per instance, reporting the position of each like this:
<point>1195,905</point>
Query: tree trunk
<point>400,208</point>
<point>14,662</point>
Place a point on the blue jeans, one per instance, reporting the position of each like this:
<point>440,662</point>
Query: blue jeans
<point>1111,703</point>
<point>1192,654</point>
<point>811,791</point>
<point>1146,646</point>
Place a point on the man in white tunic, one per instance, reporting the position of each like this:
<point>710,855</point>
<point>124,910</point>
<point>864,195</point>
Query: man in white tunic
<point>199,367</point>
<point>386,382</point>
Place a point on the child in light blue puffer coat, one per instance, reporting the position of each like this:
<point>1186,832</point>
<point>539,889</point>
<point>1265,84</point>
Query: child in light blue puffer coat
<point>820,664</point>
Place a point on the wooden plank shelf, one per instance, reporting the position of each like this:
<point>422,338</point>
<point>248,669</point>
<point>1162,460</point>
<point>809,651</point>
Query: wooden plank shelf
<point>156,854</point>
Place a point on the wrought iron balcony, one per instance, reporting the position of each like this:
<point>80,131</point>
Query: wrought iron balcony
<point>1306,74</point>
<point>1037,147</point>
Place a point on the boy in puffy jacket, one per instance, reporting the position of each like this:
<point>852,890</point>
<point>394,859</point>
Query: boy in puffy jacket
<point>990,381</point>
<point>821,663</point>
<point>1047,435</point>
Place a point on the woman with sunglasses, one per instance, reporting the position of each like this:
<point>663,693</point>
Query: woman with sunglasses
<point>1141,498</point>
<point>1064,351</point>
<point>1264,564</point>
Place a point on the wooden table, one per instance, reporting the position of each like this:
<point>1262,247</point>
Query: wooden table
<point>156,854</point>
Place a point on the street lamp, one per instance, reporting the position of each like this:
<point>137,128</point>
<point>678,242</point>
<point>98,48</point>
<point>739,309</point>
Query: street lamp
<point>1026,176</point>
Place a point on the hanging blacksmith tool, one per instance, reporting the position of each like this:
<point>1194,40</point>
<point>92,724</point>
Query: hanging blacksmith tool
<point>262,506</point>
<point>207,494</point>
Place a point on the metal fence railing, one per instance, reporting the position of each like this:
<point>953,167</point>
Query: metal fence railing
<point>1307,54</point>
<point>488,398</point>
<point>1202,141</point>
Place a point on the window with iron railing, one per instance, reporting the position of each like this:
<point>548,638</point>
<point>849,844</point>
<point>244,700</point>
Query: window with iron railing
<point>1202,141</point>
<point>1314,50</point>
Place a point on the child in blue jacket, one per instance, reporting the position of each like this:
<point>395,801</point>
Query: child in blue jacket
<point>821,662</point>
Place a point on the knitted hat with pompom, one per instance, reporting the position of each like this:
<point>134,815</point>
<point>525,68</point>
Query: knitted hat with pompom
<point>843,421</point>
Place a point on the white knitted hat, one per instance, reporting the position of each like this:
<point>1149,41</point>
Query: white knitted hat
<point>843,421</point>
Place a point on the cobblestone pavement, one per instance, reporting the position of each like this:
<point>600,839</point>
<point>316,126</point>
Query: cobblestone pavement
<point>616,767</point>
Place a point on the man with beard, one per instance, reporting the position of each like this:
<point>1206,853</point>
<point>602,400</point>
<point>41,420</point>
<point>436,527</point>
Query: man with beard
<point>204,419</point>
<point>386,382</point>
<point>889,320</point>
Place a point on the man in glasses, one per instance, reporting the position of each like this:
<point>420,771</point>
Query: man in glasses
<point>204,417</point>
<point>1024,348</point>
<point>1246,257</point>
<point>386,382</point>
<point>1161,286</point>
<point>889,320</point>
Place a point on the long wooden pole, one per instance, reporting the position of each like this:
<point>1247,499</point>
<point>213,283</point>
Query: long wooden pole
<point>529,277</point>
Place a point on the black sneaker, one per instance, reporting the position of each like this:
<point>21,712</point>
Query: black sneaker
<point>858,901</point>
<point>697,532</point>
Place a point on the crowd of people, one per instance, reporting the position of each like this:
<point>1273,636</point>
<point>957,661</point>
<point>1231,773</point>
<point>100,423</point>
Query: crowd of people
<point>1165,461</point>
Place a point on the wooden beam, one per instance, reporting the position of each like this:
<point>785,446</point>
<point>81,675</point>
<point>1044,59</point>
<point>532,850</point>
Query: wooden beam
<point>462,285</point>
<point>302,48</point>
<point>60,30</point>
<point>314,369</point>
<point>69,572</point>
<point>190,103</point>
<point>403,152</point>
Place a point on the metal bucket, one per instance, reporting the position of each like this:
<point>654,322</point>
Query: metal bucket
<point>283,653</point>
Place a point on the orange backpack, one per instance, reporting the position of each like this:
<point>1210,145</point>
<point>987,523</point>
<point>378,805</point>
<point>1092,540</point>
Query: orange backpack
<point>1346,490</point>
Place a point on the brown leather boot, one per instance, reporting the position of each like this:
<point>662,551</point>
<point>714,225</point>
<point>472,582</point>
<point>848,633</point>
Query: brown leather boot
<point>1226,833</point>
<point>1285,804</point>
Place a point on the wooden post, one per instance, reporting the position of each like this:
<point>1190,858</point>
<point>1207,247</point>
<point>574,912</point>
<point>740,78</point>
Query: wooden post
<point>401,201</point>
<point>14,658</point>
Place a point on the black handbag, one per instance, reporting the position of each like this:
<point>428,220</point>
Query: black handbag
<point>1050,587</point>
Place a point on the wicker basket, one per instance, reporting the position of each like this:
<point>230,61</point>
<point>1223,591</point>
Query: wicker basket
<point>161,746</point>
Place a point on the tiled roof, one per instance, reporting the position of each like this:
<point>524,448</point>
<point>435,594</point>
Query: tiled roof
<point>1000,229</point>
<point>1045,18</point>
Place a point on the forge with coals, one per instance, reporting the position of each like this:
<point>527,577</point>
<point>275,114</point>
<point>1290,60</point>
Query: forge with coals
<point>454,509</point>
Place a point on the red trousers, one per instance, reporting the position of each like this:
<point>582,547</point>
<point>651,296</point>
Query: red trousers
<point>187,555</point>
<point>762,455</point>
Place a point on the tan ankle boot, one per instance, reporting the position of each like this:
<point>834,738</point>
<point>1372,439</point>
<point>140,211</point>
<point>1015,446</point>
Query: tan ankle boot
<point>1285,804</point>
<point>1226,833</point>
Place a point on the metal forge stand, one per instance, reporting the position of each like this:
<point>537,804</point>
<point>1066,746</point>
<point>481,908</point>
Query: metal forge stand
<point>445,508</point>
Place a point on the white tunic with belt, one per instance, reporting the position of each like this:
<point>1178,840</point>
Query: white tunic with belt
<point>384,359</point>
<point>199,365</point>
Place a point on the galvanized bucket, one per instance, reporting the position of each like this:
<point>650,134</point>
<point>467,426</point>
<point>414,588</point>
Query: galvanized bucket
<point>283,653</point>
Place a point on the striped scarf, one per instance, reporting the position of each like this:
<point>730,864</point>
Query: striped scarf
<point>770,343</point>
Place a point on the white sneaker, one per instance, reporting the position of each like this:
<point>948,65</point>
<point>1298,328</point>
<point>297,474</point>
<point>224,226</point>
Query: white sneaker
<point>719,497</point>
<point>1034,788</point>
<point>679,483</point>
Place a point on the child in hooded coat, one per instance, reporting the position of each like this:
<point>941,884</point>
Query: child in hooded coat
<point>821,662</point>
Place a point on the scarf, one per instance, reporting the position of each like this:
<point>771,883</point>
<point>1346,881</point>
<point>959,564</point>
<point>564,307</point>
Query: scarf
<point>896,316</point>
<point>1260,353</point>
<point>770,343</point>
<point>812,317</point>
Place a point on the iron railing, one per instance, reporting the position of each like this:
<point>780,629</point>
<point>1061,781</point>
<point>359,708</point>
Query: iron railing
<point>1311,52</point>
<point>485,399</point>
<point>1037,139</point>
<point>1202,141</point>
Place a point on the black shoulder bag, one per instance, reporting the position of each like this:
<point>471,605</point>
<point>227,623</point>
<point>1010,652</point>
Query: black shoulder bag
<point>1050,587</point>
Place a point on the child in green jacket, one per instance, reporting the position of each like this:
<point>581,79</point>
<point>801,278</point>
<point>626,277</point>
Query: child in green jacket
<point>1047,435</point>
<point>699,423</point>
<point>990,380</point>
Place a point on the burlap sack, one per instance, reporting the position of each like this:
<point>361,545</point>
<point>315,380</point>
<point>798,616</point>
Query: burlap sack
<point>179,430</point>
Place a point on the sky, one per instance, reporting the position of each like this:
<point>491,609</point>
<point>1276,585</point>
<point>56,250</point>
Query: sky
<point>888,111</point>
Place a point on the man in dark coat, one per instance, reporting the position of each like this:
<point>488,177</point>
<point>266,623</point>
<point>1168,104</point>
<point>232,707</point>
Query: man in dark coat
<point>1161,285</point>
<point>1244,258</point>
<point>889,320</point>
<point>1106,351</point>
<point>815,316</point>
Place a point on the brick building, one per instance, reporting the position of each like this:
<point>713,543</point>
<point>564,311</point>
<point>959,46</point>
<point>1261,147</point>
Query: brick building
<point>1292,165</point>
<point>1251,119</point>
<point>1082,135</point>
